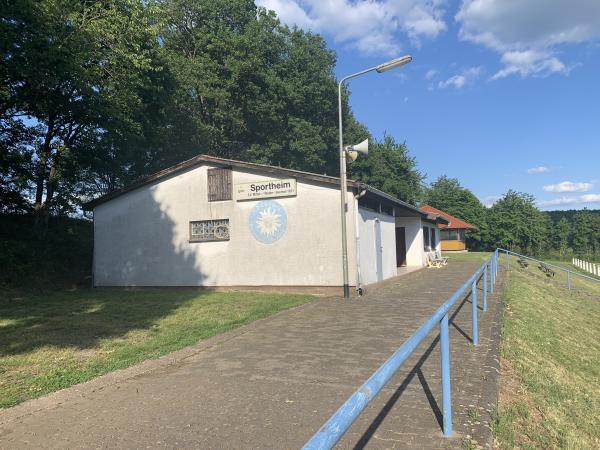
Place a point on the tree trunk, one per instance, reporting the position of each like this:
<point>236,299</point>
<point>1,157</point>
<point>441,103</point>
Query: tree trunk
<point>40,213</point>
<point>50,188</point>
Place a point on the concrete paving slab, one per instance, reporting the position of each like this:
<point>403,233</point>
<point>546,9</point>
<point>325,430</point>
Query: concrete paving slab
<point>273,383</point>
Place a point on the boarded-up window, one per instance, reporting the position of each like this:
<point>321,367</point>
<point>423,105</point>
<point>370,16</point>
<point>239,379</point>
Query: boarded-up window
<point>219,184</point>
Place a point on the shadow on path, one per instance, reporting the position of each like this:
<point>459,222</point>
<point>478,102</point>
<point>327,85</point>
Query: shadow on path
<point>416,371</point>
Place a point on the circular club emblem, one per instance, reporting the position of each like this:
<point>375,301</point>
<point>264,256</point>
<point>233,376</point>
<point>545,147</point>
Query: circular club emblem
<point>267,221</point>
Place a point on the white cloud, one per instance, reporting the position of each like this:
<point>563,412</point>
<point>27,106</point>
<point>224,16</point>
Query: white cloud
<point>460,80</point>
<point>591,198</point>
<point>568,186</point>
<point>573,200</point>
<point>528,33</point>
<point>289,12</point>
<point>423,19</point>
<point>538,169</point>
<point>529,62</point>
<point>430,74</point>
<point>371,26</point>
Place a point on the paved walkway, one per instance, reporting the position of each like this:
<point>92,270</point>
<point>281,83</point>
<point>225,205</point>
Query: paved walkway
<point>273,383</point>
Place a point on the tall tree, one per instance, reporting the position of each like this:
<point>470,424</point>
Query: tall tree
<point>15,165</point>
<point>517,224</point>
<point>448,195</point>
<point>561,231</point>
<point>95,94</point>
<point>70,72</point>
<point>390,167</point>
<point>586,234</point>
<point>249,88</point>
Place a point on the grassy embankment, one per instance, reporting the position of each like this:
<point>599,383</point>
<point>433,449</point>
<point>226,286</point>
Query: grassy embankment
<point>550,361</point>
<point>550,385</point>
<point>56,332</point>
<point>567,265</point>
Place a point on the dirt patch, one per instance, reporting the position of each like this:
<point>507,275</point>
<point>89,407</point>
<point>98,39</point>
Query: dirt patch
<point>511,388</point>
<point>516,410</point>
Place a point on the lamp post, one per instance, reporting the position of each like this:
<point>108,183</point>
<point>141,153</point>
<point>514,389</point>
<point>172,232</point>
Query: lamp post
<point>389,65</point>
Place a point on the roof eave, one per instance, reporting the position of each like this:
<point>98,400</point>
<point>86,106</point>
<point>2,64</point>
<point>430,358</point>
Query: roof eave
<point>206,159</point>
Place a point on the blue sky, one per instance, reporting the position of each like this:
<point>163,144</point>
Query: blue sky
<point>500,94</point>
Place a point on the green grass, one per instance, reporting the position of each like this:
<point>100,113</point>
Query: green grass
<point>550,391</point>
<point>573,268</point>
<point>467,256</point>
<point>54,340</point>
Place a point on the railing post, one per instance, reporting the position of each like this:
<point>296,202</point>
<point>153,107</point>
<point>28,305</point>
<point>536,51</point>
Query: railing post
<point>485,287</point>
<point>445,365</point>
<point>496,266</point>
<point>507,263</point>
<point>474,312</point>
<point>497,263</point>
<point>491,264</point>
<point>569,279</point>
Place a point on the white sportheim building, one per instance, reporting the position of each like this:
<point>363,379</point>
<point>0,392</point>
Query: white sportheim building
<point>216,222</point>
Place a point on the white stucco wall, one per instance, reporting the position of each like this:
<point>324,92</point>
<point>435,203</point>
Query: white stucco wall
<point>377,255</point>
<point>142,237</point>
<point>414,240</point>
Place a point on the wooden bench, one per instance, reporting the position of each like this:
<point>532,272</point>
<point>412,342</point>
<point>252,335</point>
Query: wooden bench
<point>523,263</point>
<point>547,270</point>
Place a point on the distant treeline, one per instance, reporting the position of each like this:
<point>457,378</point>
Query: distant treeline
<point>569,214</point>
<point>514,222</point>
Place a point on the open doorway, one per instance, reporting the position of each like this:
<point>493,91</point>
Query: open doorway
<point>400,247</point>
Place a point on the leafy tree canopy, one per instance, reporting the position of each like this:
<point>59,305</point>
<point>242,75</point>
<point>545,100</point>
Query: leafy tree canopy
<point>390,168</point>
<point>586,233</point>
<point>96,94</point>
<point>447,194</point>
<point>517,224</point>
<point>71,71</point>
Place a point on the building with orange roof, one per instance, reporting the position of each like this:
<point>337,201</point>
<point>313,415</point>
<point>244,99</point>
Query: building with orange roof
<point>452,235</point>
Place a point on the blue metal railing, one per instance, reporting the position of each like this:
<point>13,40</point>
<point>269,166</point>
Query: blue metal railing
<point>333,430</point>
<point>570,273</point>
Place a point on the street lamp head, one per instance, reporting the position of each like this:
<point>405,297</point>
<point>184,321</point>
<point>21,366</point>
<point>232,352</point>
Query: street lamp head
<point>397,62</point>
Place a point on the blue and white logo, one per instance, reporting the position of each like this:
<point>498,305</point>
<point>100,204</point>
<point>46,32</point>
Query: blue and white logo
<point>267,221</point>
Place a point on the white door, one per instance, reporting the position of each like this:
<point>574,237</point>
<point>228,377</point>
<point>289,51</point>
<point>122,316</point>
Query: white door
<point>378,250</point>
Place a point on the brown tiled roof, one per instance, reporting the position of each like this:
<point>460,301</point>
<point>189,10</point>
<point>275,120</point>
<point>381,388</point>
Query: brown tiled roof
<point>453,222</point>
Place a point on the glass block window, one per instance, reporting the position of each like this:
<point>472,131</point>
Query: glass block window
<point>209,230</point>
